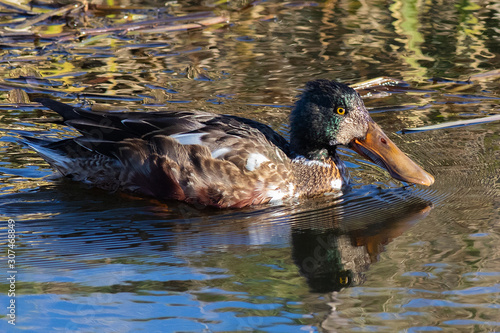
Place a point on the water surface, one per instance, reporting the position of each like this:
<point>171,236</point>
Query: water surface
<point>384,257</point>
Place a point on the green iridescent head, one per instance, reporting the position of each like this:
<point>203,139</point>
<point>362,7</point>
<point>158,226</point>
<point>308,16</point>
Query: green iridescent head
<point>328,114</point>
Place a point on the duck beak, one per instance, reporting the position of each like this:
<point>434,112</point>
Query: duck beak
<point>378,148</point>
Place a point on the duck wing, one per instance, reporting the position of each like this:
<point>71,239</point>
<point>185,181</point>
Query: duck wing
<point>200,157</point>
<point>116,126</point>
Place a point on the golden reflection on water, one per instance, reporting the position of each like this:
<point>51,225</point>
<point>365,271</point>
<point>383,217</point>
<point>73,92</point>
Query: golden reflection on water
<point>277,55</point>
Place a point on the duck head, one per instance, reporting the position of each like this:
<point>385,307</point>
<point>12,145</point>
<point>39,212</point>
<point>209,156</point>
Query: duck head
<point>330,114</point>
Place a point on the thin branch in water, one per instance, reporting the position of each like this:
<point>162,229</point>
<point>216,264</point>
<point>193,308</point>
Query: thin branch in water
<point>451,124</point>
<point>16,7</point>
<point>200,24</point>
<point>150,26</point>
<point>55,12</point>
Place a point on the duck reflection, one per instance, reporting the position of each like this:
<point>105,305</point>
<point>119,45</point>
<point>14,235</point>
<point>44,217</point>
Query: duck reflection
<point>334,246</point>
<point>331,241</point>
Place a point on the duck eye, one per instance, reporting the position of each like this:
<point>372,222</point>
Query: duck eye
<point>340,111</point>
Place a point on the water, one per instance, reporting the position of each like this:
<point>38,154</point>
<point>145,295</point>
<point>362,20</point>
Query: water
<point>381,258</point>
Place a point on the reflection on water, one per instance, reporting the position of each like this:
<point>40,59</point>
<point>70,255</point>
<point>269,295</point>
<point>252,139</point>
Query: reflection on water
<point>381,258</point>
<point>334,246</point>
<point>214,271</point>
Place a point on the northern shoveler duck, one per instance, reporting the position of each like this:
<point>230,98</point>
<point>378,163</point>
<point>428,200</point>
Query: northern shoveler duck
<point>222,160</point>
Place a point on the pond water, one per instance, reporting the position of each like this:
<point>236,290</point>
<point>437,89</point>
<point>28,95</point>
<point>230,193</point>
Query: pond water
<point>384,257</point>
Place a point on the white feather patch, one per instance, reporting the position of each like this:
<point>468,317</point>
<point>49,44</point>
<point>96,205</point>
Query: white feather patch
<point>254,161</point>
<point>220,152</point>
<point>336,184</point>
<point>189,138</point>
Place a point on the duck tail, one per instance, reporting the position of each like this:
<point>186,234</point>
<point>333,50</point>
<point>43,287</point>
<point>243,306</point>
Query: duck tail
<point>68,112</point>
<point>49,151</point>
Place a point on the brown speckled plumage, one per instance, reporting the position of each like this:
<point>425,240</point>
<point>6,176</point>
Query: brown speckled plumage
<point>209,159</point>
<point>139,155</point>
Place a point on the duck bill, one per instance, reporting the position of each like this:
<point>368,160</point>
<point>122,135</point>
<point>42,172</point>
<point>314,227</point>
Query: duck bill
<point>378,148</point>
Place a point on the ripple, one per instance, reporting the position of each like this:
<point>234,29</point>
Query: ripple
<point>435,303</point>
<point>475,291</point>
<point>463,322</point>
<point>425,329</point>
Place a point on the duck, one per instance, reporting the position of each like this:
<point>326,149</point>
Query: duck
<point>225,161</point>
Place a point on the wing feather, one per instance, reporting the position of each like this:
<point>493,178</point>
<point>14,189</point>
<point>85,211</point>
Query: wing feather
<point>216,160</point>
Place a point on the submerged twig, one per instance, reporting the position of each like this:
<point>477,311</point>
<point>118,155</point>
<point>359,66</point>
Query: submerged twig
<point>130,26</point>
<point>376,82</point>
<point>490,75</point>
<point>27,88</point>
<point>200,24</point>
<point>30,89</point>
<point>385,85</point>
<point>149,26</point>
<point>451,124</point>
<point>16,7</point>
<point>40,18</point>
